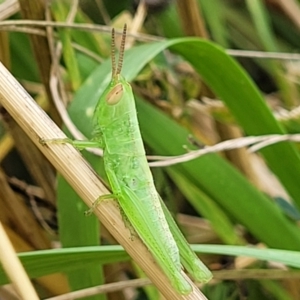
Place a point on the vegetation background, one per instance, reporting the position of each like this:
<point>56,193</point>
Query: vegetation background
<point>202,72</point>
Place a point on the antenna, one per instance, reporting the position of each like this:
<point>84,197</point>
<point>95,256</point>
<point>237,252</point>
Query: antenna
<point>122,48</point>
<point>113,53</point>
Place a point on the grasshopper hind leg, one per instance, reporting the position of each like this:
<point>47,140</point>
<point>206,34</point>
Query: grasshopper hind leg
<point>189,259</point>
<point>157,240</point>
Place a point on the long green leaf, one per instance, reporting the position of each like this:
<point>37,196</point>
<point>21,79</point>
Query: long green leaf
<point>43,262</point>
<point>211,173</point>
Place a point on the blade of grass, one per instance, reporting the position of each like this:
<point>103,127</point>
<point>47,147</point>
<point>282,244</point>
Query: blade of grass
<point>217,178</point>
<point>44,262</point>
<point>262,23</point>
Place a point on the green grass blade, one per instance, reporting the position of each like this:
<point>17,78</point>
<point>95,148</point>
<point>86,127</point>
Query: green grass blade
<point>289,258</point>
<point>60,11</point>
<point>211,173</point>
<point>262,23</point>
<point>44,262</point>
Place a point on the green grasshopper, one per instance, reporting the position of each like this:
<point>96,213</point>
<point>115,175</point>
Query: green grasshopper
<point>116,131</point>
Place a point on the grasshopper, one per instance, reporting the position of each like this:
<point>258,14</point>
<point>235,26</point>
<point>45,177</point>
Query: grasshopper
<point>117,132</point>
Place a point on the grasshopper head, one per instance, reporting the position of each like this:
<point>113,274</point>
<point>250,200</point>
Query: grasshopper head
<point>117,99</point>
<point>115,91</point>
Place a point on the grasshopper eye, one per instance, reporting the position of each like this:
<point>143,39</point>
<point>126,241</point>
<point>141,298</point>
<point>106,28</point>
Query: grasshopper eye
<point>115,95</point>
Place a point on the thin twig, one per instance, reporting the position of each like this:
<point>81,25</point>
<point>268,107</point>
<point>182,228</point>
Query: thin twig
<point>85,27</point>
<point>260,141</point>
<point>14,25</point>
<point>103,289</point>
<point>218,275</point>
<point>263,54</point>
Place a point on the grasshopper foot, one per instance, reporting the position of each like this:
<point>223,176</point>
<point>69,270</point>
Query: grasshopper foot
<point>55,141</point>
